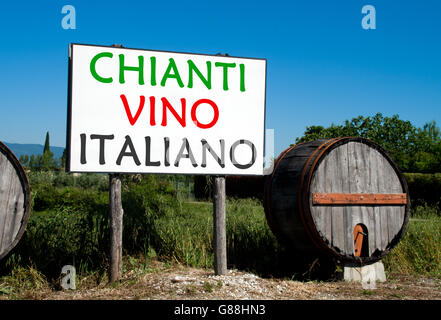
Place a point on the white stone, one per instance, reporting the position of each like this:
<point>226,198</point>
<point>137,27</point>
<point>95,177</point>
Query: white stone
<point>368,275</point>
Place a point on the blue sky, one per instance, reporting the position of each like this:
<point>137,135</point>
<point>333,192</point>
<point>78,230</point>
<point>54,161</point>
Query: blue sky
<point>323,67</point>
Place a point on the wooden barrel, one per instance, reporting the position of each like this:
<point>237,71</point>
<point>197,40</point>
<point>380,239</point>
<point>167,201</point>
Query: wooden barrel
<point>344,197</point>
<point>14,200</point>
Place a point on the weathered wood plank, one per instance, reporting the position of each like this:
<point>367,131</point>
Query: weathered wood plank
<point>339,214</point>
<point>14,200</point>
<point>15,212</point>
<point>116,227</point>
<point>355,186</point>
<point>320,183</point>
<point>375,211</point>
<point>6,176</point>
<point>10,206</point>
<point>383,214</point>
<point>4,195</point>
<point>396,214</point>
<point>366,211</point>
<point>328,176</point>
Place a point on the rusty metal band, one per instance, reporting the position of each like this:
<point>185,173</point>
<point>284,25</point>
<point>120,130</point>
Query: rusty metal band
<point>379,199</point>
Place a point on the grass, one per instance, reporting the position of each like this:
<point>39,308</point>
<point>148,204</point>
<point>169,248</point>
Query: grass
<point>419,252</point>
<point>251,245</point>
<point>367,292</point>
<point>183,233</point>
<point>208,287</point>
<point>187,237</point>
<point>28,283</point>
<point>23,283</point>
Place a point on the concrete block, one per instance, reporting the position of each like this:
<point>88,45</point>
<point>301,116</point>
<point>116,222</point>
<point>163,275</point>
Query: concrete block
<point>368,275</point>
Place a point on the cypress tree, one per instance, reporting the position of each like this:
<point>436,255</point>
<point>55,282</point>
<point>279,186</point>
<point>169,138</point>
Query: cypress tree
<point>63,159</point>
<point>46,144</point>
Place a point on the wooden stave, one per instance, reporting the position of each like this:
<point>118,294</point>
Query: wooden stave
<point>300,240</point>
<point>27,196</point>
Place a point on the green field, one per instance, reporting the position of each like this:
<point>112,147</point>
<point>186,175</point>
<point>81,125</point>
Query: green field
<point>69,225</point>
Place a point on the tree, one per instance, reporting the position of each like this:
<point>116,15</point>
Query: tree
<point>32,162</point>
<point>48,162</point>
<point>24,159</point>
<point>427,157</point>
<point>413,149</point>
<point>45,161</point>
<point>46,144</point>
<point>63,159</point>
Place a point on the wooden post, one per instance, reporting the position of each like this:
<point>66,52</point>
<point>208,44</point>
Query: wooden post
<point>116,224</point>
<point>219,233</point>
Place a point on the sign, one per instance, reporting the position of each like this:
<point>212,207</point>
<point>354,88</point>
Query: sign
<point>142,111</point>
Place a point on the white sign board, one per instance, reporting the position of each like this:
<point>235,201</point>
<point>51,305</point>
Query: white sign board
<point>141,111</point>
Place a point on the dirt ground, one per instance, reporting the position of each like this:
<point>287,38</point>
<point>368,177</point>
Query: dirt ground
<point>179,282</point>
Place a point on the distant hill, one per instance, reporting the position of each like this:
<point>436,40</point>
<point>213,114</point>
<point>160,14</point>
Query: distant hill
<point>32,149</point>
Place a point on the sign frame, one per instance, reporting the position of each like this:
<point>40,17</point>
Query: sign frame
<point>69,110</point>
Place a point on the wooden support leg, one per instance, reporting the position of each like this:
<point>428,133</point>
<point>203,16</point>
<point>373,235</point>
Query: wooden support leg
<point>219,234</point>
<point>116,224</point>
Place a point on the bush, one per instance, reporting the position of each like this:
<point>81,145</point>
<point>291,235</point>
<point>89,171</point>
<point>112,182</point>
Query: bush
<point>65,236</point>
<point>91,181</point>
<point>424,188</point>
<point>71,225</point>
<point>50,198</point>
